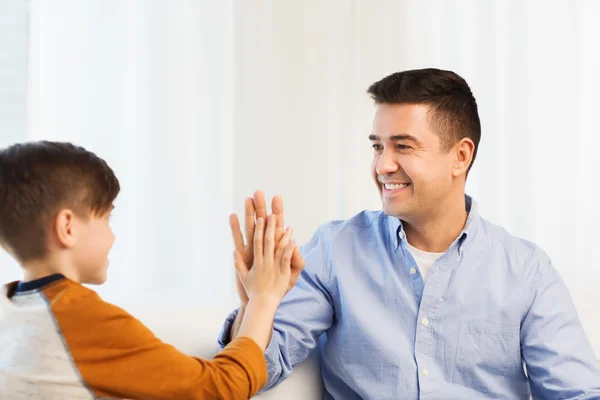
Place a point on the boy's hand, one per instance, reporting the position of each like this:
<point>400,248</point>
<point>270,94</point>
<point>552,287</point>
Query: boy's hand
<point>268,279</point>
<point>257,207</point>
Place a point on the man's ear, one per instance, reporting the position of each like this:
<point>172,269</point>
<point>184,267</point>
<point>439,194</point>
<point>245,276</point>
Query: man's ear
<point>463,156</point>
<point>65,228</point>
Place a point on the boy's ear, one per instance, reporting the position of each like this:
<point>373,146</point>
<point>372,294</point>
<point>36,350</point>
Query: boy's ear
<point>65,228</point>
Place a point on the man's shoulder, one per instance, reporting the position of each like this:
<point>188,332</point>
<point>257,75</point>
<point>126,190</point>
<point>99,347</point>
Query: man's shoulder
<point>362,222</point>
<point>335,238</point>
<point>520,250</point>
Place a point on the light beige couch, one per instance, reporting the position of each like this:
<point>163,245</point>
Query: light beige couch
<point>195,331</point>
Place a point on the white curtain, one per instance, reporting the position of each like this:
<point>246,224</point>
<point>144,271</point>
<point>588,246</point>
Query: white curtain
<point>301,74</point>
<point>14,36</point>
<point>198,103</point>
<point>147,86</point>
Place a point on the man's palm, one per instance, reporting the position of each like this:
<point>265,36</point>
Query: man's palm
<point>256,208</point>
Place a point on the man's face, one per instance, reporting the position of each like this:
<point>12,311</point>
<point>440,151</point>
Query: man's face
<point>412,173</point>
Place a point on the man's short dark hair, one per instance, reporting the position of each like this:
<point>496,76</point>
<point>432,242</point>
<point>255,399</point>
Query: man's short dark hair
<point>453,109</point>
<point>37,180</point>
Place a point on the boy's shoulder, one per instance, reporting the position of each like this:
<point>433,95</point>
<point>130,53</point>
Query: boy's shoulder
<point>66,292</point>
<point>72,301</point>
<point>90,324</point>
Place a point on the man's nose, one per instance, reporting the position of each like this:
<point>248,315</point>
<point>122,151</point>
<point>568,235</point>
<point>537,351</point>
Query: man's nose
<point>386,164</point>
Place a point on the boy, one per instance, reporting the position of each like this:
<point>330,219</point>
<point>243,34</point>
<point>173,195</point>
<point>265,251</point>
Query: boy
<point>59,340</point>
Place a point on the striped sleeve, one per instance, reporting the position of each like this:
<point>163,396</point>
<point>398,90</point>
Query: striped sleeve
<point>117,356</point>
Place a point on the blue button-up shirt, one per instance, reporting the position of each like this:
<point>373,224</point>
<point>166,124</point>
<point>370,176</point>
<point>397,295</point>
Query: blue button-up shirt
<point>491,305</point>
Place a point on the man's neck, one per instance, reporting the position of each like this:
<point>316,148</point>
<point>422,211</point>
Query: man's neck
<point>436,233</point>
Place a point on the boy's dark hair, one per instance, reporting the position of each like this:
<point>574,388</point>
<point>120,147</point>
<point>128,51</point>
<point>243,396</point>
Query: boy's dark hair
<point>37,180</point>
<point>453,109</point>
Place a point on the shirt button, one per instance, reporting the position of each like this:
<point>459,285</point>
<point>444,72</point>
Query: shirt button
<point>425,372</point>
<point>413,271</point>
<point>425,321</point>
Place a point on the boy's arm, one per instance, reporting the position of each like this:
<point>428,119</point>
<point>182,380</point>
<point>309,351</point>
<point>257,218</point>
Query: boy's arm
<point>117,356</point>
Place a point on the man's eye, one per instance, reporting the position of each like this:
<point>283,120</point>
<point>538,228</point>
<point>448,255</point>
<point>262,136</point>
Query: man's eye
<point>377,147</point>
<point>403,147</point>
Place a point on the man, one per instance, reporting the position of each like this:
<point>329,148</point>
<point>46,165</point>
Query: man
<point>426,299</point>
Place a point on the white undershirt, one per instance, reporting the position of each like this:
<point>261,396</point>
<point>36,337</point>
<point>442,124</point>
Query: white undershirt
<point>424,259</point>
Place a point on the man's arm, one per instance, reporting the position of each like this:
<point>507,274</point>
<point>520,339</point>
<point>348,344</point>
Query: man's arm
<point>559,358</point>
<point>303,315</point>
<point>256,208</point>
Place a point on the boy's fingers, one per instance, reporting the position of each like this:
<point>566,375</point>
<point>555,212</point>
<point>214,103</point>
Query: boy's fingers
<point>259,233</point>
<point>270,239</point>
<point>282,246</point>
<point>287,257</point>
<point>249,221</point>
<point>277,208</point>
<point>236,233</point>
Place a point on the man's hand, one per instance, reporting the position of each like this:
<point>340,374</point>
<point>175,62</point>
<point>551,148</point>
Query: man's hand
<point>265,283</point>
<point>256,208</point>
<point>268,278</point>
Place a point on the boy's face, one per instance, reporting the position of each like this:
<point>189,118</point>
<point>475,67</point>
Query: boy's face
<point>90,255</point>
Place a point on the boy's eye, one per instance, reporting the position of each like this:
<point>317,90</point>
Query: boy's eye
<point>377,147</point>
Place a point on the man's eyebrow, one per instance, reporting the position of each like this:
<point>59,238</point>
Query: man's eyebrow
<point>397,138</point>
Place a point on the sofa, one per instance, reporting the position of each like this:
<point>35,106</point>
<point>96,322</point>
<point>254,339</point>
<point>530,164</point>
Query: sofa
<point>195,332</point>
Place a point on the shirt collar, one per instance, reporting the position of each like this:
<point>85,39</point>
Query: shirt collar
<point>38,283</point>
<point>397,234</point>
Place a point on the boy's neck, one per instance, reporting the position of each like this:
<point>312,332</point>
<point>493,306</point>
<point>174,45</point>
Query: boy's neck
<point>37,269</point>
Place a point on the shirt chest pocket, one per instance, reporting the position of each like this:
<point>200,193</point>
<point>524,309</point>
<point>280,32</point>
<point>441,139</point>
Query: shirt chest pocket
<point>487,355</point>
